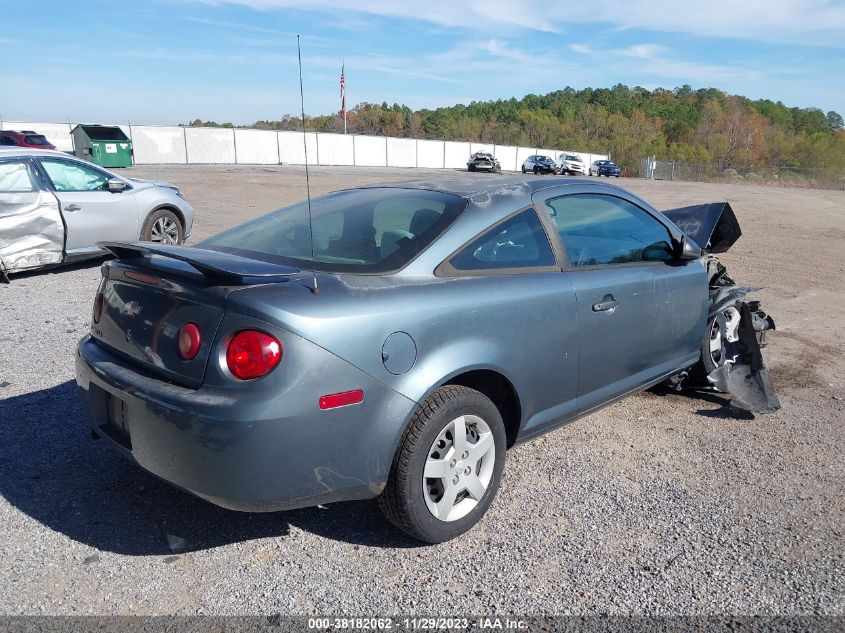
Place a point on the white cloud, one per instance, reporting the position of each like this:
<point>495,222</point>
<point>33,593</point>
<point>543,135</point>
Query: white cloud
<point>817,22</point>
<point>643,51</point>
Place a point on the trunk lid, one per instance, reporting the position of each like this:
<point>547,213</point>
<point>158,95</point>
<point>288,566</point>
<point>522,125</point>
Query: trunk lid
<point>152,291</point>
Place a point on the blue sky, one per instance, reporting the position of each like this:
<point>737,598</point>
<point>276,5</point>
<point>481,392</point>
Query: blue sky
<point>170,61</point>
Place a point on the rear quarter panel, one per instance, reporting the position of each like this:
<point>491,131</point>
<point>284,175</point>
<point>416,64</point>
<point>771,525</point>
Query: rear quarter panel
<point>457,324</point>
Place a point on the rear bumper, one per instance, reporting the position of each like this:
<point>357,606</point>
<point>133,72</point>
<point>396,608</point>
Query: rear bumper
<point>239,450</point>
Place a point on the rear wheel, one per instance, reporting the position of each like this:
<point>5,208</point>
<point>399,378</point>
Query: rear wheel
<point>448,465</point>
<point>523,169</point>
<point>163,227</point>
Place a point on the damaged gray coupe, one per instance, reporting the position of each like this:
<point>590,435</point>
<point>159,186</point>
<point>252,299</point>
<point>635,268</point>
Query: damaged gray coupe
<point>395,344</point>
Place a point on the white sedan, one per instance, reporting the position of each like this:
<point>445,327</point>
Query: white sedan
<point>54,208</point>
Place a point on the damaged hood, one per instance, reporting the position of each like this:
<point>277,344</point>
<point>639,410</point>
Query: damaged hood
<point>712,225</point>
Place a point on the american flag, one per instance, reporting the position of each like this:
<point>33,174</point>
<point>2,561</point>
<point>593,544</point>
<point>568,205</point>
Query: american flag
<point>342,91</point>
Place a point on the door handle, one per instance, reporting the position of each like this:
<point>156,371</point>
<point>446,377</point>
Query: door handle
<point>73,207</point>
<point>608,303</point>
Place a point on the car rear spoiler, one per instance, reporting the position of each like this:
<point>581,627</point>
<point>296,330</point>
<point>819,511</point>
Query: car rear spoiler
<point>225,268</point>
<point>712,225</point>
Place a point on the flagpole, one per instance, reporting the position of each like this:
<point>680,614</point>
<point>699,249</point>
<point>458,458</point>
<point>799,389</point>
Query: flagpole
<point>343,93</point>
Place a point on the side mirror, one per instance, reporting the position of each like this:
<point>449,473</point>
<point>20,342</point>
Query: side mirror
<point>116,185</point>
<point>686,249</point>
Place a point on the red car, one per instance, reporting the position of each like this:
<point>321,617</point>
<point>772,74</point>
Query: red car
<point>24,138</point>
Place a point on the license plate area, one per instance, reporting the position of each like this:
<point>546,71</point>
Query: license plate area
<point>116,427</point>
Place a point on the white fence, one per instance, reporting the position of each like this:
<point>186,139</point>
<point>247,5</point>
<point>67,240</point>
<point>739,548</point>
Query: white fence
<point>157,145</point>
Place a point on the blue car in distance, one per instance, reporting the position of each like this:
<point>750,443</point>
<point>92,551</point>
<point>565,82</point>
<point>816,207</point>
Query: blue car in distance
<point>605,168</point>
<point>396,345</point>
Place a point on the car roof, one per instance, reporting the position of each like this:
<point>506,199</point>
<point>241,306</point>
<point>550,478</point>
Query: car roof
<point>469,186</point>
<point>5,152</point>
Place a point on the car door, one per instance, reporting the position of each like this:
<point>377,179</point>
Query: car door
<point>31,229</point>
<point>522,314</point>
<point>91,212</point>
<point>640,311</point>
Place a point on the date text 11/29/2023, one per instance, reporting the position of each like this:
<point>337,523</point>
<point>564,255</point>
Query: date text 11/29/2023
<point>417,624</point>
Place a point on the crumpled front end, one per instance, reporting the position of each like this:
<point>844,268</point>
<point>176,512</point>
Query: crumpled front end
<point>743,326</point>
<point>737,327</point>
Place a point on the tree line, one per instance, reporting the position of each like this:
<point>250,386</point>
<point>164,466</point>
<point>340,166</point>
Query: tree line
<point>704,126</point>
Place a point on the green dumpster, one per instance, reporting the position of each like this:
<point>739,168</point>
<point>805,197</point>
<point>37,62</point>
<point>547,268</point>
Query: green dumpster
<point>105,145</point>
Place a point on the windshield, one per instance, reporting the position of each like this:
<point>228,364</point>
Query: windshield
<point>571,157</point>
<point>371,230</point>
<point>36,139</point>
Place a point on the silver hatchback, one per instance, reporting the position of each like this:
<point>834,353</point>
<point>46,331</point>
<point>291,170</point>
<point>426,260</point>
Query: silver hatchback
<point>54,208</point>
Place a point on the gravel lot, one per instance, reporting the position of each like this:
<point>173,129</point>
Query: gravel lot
<point>660,504</point>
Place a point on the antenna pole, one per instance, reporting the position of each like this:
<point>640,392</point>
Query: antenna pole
<point>314,288</point>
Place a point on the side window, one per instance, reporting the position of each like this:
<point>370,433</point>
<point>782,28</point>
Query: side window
<point>8,140</point>
<point>398,221</point>
<point>16,177</point>
<point>600,229</point>
<point>519,242</point>
<point>73,176</point>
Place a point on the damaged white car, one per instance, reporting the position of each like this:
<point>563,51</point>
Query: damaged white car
<point>54,208</point>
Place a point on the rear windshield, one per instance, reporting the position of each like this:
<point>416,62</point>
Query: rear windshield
<point>36,139</point>
<point>372,230</point>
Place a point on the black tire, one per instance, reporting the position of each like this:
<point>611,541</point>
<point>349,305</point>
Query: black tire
<point>536,170</point>
<point>403,501</point>
<point>149,231</point>
<point>523,169</point>
<point>471,168</point>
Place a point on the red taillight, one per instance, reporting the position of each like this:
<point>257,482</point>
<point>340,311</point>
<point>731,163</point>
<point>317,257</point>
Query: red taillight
<point>142,277</point>
<point>97,312</point>
<point>190,340</point>
<point>252,354</point>
<point>334,400</point>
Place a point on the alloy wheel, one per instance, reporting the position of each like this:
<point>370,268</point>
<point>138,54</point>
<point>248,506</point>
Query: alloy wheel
<point>165,231</point>
<point>716,343</point>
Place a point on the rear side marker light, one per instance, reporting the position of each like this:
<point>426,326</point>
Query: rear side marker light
<point>252,354</point>
<point>335,400</point>
<point>142,277</point>
<point>97,312</point>
<point>190,340</point>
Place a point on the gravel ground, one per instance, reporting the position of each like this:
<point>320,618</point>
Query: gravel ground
<point>660,504</point>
